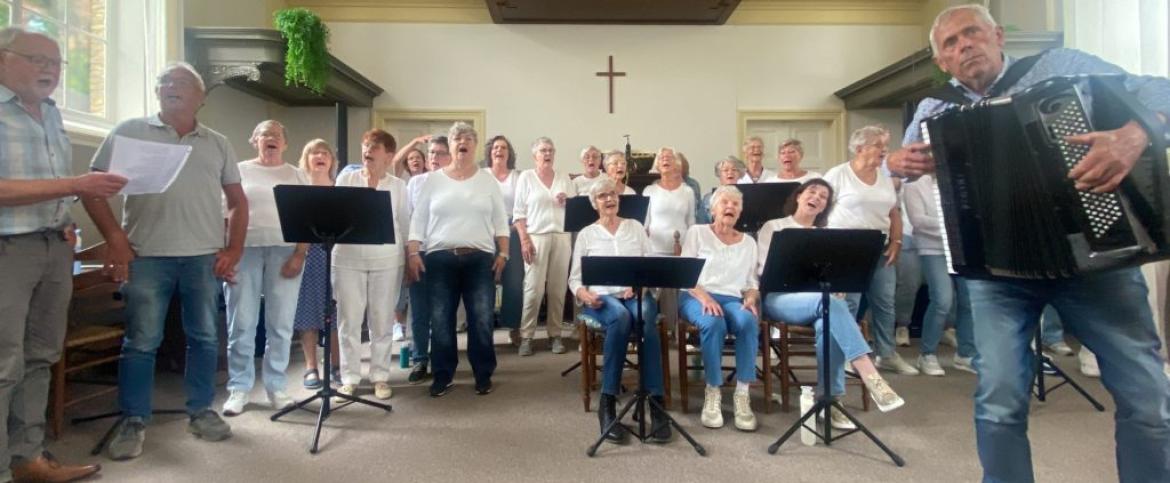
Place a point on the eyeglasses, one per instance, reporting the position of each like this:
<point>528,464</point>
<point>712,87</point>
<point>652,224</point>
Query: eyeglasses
<point>39,60</point>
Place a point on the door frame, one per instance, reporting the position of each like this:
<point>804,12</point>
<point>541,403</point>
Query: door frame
<point>381,117</point>
<point>835,118</point>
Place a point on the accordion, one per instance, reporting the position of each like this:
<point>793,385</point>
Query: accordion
<point>1009,209</point>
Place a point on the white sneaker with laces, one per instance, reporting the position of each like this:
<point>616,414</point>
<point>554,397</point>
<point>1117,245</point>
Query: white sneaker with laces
<point>897,364</point>
<point>235,403</point>
<point>745,420</point>
<point>712,416</point>
<point>382,390</point>
<point>902,336</point>
<point>1088,363</point>
<point>949,338</point>
<point>280,400</point>
<point>348,390</point>
<point>965,364</point>
<point>928,364</point>
<point>839,420</point>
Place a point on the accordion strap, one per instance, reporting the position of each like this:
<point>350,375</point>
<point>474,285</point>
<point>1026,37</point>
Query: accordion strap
<point>950,93</point>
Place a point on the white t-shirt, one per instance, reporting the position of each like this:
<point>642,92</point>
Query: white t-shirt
<point>669,212</point>
<point>507,189</point>
<point>729,269</point>
<point>766,232</point>
<point>858,205</point>
<point>257,180</point>
<point>376,257</point>
<point>594,241</point>
<point>584,184</point>
<point>537,204</point>
<point>810,174</point>
<point>766,176</point>
<point>451,214</point>
<point>922,210</point>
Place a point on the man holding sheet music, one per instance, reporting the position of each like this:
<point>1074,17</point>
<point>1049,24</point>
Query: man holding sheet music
<point>172,242</point>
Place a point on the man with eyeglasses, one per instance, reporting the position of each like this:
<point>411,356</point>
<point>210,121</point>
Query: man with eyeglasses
<point>36,249</point>
<point>173,243</point>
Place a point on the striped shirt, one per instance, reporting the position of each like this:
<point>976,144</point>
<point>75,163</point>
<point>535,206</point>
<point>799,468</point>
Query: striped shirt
<point>31,150</point>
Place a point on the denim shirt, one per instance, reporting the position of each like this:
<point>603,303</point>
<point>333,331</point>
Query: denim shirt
<point>32,150</point>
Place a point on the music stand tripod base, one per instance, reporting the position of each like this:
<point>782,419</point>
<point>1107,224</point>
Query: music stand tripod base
<point>1041,390</point>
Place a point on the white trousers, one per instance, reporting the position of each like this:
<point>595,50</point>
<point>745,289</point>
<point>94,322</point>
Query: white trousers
<point>369,295</point>
<point>549,270</point>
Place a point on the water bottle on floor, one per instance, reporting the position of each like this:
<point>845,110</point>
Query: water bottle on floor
<point>404,356</point>
<point>806,402</point>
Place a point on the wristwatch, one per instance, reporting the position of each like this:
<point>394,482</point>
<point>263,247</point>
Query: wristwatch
<point>502,255</point>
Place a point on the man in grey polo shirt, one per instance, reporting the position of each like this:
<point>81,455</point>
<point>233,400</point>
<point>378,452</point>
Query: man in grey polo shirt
<point>173,242</point>
<point>36,249</point>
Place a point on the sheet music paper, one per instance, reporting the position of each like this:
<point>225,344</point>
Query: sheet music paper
<point>151,167</point>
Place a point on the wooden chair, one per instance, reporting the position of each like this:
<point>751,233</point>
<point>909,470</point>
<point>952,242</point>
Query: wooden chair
<point>688,331</point>
<point>593,346</point>
<point>800,341</point>
<point>93,338</point>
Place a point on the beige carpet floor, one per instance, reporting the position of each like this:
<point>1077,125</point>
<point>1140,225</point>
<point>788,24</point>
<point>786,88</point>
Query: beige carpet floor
<point>532,428</point>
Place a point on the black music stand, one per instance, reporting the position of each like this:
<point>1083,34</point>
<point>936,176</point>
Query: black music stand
<point>579,213</point>
<point>641,273</point>
<point>825,261</point>
<point>1041,362</point>
<point>329,216</point>
<point>762,202</point>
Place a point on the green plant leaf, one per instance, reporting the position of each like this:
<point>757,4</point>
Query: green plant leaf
<point>306,58</point>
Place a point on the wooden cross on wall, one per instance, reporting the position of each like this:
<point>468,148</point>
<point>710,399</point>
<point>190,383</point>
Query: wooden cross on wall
<point>611,74</point>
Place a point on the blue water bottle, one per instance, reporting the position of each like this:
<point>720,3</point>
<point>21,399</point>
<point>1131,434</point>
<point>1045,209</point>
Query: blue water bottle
<point>404,356</point>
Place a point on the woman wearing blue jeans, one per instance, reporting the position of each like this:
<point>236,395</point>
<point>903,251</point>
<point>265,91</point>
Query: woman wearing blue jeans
<point>725,301</point>
<point>809,207</point>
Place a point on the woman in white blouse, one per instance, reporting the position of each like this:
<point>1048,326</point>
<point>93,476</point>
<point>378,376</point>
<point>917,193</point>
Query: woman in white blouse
<point>271,268</point>
<point>789,155</point>
<point>670,214</point>
<point>367,278</point>
<point>539,218</point>
<point>809,207</point>
<point>614,309</point>
<point>725,301</point>
<point>501,164</point>
<point>615,169</point>
<point>460,218</point>
<point>591,163</point>
<point>866,199</point>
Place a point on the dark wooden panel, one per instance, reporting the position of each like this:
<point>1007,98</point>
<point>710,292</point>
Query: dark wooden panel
<point>663,12</point>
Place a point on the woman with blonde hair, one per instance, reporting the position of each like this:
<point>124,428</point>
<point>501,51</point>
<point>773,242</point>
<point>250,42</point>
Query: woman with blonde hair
<point>319,165</point>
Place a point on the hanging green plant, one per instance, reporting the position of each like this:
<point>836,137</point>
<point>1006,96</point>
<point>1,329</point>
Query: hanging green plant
<point>306,58</point>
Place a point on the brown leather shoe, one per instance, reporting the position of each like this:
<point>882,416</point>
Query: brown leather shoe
<point>46,469</point>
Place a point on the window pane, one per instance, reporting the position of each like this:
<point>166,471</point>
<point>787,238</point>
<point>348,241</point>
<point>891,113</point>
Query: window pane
<point>39,23</point>
<point>54,9</point>
<point>88,15</point>
<point>84,76</point>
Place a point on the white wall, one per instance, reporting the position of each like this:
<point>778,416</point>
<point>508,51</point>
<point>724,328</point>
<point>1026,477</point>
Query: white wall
<point>684,84</point>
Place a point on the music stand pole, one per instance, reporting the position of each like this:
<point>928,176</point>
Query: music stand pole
<point>1040,362</point>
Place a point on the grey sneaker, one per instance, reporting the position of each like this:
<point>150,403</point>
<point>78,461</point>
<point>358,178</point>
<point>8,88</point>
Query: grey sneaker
<point>207,425</point>
<point>525,347</point>
<point>558,347</point>
<point>127,440</point>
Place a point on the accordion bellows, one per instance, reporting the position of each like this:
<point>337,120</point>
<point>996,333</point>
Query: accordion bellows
<point>1008,206</point>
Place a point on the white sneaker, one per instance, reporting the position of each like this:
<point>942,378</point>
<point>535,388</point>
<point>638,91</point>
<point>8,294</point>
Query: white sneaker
<point>775,334</point>
<point>928,364</point>
<point>965,364</point>
<point>1166,369</point>
<point>382,390</point>
<point>347,389</point>
<point>1088,363</point>
<point>280,400</point>
<point>235,403</point>
<point>902,336</point>
<point>745,420</point>
<point>948,338</point>
<point>839,420</point>
<point>712,416</point>
<point>882,394</point>
<point>1060,348</point>
<point>399,332</point>
<point>897,364</point>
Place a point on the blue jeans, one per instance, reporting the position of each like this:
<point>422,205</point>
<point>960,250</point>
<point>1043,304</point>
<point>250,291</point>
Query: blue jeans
<point>153,281</point>
<point>847,343</point>
<point>910,278</point>
<point>1108,312</point>
<point>942,298</point>
<point>617,316</point>
<point>964,323</point>
<point>259,274</point>
<point>450,278</point>
<point>735,321</point>
<point>420,320</point>
<point>881,304</point>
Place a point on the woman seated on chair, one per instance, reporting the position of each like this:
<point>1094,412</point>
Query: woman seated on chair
<point>614,310</point>
<point>809,207</point>
<point>725,301</point>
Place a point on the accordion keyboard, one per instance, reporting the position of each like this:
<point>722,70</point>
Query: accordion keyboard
<point>1102,209</point>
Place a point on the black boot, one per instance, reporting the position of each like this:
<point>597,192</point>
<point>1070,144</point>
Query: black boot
<point>606,413</point>
<point>659,424</point>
